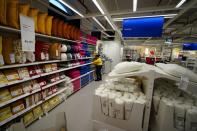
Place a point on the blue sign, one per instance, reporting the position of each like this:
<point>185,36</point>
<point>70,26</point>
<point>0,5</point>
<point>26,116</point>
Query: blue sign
<point>143,27</point>
<point>190,46</point>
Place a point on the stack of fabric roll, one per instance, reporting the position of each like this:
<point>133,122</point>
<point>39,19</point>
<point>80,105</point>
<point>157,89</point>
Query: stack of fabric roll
<point>74,74</point>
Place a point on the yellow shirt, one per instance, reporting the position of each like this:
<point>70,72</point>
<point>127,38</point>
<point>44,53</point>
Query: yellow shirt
<point>97,62</point>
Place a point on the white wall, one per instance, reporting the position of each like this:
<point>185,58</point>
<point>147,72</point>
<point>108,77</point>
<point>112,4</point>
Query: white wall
<point>112,49</point>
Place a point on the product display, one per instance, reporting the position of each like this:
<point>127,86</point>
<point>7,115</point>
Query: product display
<point>118,96</point>
<point>170,101</point>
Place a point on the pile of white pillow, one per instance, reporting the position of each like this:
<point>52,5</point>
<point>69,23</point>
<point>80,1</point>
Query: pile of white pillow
<point>178,71</point>
<point>117,97</point>
<point>173,107</point>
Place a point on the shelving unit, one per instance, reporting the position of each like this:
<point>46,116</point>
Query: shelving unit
<point>13,30</point>
<point>41,36</point>
<point>39,63</point>
<point>41,75</point>
<point>47,98</point>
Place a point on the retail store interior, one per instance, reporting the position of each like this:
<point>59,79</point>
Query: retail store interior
<point>98,65</point>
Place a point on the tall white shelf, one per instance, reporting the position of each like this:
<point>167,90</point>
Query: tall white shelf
<point>149,74</point>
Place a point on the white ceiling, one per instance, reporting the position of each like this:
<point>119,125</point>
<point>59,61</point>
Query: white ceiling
<point>182,27</point>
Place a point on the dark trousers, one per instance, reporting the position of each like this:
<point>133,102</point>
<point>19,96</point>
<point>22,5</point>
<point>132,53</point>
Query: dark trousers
<point>98,72</point>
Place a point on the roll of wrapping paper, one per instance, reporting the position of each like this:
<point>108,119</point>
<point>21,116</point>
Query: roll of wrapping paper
<point>48,25</point>
<point>24,9</point>
<point>3,9</point>
<point>59,28</point>
<point>33,12</point>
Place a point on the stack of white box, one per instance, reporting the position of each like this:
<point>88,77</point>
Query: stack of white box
<point>174,110</point>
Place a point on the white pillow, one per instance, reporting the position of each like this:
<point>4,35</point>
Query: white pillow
<point>63,48</point>
<point>178,71</point>
<point>63,56</point>
<point>125,67</point>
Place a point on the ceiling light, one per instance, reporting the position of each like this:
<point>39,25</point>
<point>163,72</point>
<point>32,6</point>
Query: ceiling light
<point>69,6</point>
<point>98,6</point>
<point>98,23</point>
<point>165,16</point>
<point>134,5</point>
<point>180,3</point>
<point>110,22</point>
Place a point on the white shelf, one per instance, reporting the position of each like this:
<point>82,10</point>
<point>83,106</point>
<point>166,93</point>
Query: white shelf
<point>44,74</point>
<point>39,63</point>
<point>47,98</point>
<point>19,81</point>
<point>19,114</point>
<point>33,92</point>
<point>10,29</point>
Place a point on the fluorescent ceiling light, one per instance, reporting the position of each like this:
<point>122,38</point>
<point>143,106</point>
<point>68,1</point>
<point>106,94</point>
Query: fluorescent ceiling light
<point>69,6</point>
<point>110,22</point>
<point>165,16</point>
<point>134,5</point>
<point>98,6</point>
<point>180,3</point>
<point>98,23</point>
<point>57,4</point>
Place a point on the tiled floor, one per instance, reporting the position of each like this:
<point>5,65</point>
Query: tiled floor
<point>79,109</point>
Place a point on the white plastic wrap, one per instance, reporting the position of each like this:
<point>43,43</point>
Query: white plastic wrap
<point>128,107</point>
<point>119,107</point>
<point>112,111</point>
<point>104,103</point>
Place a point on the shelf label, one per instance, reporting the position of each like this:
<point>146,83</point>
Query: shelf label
<point>184,83</point>
<point>27,33</point>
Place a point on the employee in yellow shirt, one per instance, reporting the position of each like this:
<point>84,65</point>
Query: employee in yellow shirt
<point>98,64</point>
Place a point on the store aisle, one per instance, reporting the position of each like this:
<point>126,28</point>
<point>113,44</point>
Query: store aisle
<point>79,109</point>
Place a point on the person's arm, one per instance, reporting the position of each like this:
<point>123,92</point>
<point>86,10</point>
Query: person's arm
<point>96,61</point>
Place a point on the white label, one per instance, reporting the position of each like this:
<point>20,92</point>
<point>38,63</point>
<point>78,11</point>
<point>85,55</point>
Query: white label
<point>56,52</point>
<point>184,83</point>
<point>12,58</point>
<point>38,71</point>
<point>42,56</point>
<point>47,56</point>
<point>27,33</point>
<point>1,60</point>
<point>36,86</point>
<point>53,80</point>
<point>42,83</point>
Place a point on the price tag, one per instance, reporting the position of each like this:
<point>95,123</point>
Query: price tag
<point>184,83</point>
<point>27,33</point>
